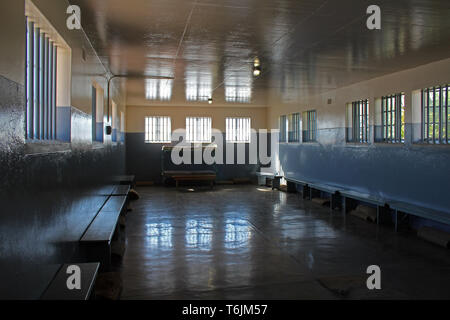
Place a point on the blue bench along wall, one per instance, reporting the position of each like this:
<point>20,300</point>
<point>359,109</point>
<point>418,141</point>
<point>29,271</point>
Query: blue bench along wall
<point>413,173</point>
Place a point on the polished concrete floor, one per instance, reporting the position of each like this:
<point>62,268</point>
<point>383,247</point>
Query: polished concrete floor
<point>249,242</point>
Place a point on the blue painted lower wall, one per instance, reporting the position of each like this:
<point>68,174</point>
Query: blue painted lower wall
<point>63,121</point>
<point>418,174</point>
<point>99,131</point>
<point>114,135</point>
<point>145,161</point>
<point>47,198</point>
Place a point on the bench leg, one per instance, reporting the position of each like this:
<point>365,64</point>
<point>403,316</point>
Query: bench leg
<point>344,205</point>
<point>378,215</point>
<point>304,191</point>
<point>396,220</point>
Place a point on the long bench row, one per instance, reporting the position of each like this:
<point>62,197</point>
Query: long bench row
<point>95,244</point>
<point>340,197</point>
<point>94,257</point>
<point>96,241</point>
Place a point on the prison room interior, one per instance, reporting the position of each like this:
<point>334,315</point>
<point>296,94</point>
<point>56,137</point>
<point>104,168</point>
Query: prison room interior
<point>329,137</point>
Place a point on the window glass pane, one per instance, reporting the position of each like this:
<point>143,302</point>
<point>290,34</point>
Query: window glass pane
<point>198,129</point>
<point>309,126</point>
<point>238,129</point>
<point>435,114</point>
<point>360,123</point>
<point>158,129</point>
<point>283,128</point>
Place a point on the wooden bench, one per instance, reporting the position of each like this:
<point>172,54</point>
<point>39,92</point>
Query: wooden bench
<point>275,178</point>
<point>96,241</point>
<point>331,190</point>
<point>125,180</point>
<point>335,192</point>
<point>103,190</point>
<point>382,204</point>
<point>379,202</point>
<point>195,177</point>
<point>58,290</point>
<point>309,187</point>
<point>121,190</point>
<point>419,211</point>
<point>305,186</point>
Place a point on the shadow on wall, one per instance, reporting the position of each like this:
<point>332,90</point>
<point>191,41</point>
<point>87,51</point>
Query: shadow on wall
<point>47,198</point>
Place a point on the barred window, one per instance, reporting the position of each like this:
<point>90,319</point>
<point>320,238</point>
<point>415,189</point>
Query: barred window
<point>283,126</point>
<point>359,122</point>
<point>158,130</point>
<point>294,127</point>
<point>393,118</point>
<point>436,114</point>
<point>198,129</point>
<point>309,126</point>
<point>238,129</point>
<point>41,53</point>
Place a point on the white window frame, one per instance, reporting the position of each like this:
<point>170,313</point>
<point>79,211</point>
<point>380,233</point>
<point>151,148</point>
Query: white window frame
<point>238,129</point>
<point>152,135</point>
<point>283,128</point>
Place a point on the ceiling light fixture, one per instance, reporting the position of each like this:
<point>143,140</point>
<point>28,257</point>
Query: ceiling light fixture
<point>256,71</point>
<point>256,67</point>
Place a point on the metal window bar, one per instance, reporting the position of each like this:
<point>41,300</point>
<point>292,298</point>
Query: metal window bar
<point>54,76</point>
<point>238,129</point>
<point>36,87</point>
<point>366,121</point>
<point>41,86</point>
<point>446,114</point>
<point>309,126</point>
<point>283,128</point>
<point>392,118</point>
<point>50,90</point>
<point>435,114</point>
<point>314,127</point>
<point>383,123</point>
<point>30,81</point>
<point>355,117</point>
<point>198,129</point>
<point>45,88</point>
<point>360,122</point>
<point>158,129</point>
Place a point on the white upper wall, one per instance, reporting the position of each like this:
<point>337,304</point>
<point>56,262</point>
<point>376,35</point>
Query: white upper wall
<point>333,115</point>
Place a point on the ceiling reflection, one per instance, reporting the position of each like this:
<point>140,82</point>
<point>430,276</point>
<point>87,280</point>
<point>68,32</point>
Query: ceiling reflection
<point>198,83</point>
<point>158,89</point>
<point>238,84</point>
<point>322,39</point>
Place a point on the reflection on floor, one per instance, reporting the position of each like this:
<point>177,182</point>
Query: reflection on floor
<point>248,242</point>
